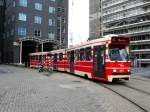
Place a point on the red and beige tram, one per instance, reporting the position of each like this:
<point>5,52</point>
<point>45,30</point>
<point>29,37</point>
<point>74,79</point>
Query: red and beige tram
<point>104,59</point>
<point>40,58</point>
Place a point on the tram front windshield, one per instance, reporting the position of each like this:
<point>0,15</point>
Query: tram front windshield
<point>118,54</point>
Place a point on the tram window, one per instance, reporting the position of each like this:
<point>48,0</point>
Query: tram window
<point>77,55</point>
<point>43,57</point>
<point>68,55</point>
<point>40,58</point>
<point>118,54</point>
<point>34,57</point>
<point>50,56</point>
<point>55,57</point>
<point>81,54</point>
<point>88,53</point>
<point>60,56</point>
<point>72,56</point>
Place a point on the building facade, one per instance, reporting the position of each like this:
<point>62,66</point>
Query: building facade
<point>36,19</point>
<point>129,17</point>
<point>95,15</point>
<point>2,17</point>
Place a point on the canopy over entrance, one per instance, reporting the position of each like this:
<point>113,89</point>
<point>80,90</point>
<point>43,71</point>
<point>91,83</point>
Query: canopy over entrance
<point>34,44</point>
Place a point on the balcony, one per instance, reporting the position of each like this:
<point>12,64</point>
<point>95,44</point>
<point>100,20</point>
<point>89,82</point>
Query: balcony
<point>125,8</point>
<point>140,42</point>
<point>129,16</point>
<point>127,26</point>
<point>110,4</point>
<point>141,51</point>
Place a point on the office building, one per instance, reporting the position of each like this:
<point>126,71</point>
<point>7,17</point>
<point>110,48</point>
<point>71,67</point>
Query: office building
<point>2,17</point>
<point>128,17</point>
<point>33,26</point>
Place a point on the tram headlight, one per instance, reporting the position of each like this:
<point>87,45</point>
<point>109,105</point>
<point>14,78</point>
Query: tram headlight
<point>114,70</point>
<point>128,70</point>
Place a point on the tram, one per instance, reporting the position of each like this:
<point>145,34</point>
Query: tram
<point>104,59</point>
<point>40,58</point>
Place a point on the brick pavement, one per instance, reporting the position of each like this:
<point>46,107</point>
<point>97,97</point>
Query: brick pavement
<point>26,90</point>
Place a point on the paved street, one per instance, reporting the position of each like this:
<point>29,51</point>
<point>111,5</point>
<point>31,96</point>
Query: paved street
<point>26,90</point>
<point>141,71</point>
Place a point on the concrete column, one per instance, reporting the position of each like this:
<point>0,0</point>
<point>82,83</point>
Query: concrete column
<point>42,47</point>
<point>37,47</point>
<point>21,52</point>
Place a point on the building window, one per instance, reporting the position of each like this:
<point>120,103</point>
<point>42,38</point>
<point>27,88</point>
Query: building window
<point>38,6</point>
<point>51,9</point>
<point>22,31</point>
<point>37,19</point>
<point>7,34</point>
<point>22,17</point>
<point>52,0</point>
<point>13,18</point>
<point>51,22</point>
<point>60,9</point>
<point>23,3</point>
<point>37,33</point>
<point>51,35</point>
<point>12,32</point>
<point>14,4</point>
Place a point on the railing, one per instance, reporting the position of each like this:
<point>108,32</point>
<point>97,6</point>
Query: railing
<point>126,7</point>
<point>127,25</point>
<point>132,14</point>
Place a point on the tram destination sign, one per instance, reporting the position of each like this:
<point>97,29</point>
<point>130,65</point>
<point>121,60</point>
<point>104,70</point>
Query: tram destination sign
<point>120,39</point>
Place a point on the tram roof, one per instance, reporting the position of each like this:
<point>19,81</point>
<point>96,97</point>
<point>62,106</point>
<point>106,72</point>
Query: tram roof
<point>58,51</point>
<point>92,42</point>
<point>100,41</point>
<point>38,53</point>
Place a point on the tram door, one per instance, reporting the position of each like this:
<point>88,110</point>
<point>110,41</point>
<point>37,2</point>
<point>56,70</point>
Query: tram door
<point>55,61</point>
<point>99,61</point>
<point>72,61</point>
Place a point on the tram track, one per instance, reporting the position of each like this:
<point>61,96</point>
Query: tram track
<point>136,89</point>
<point>141,79</point>
<point>141,107</point>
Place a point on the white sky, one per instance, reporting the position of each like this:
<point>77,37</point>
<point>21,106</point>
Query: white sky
<point>78,21</point>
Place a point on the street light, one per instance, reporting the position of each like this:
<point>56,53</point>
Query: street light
<point>60,24</point>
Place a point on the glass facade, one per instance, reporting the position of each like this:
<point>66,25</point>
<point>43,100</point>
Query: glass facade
<point>22,17</point>
<point>22,31</point>
<point>38,6</point>
<point>37,19</point>
<point>23,3</point>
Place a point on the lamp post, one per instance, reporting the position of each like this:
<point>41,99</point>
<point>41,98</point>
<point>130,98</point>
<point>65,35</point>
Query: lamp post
<point>60,24</point>
<point>139,61</point>
<point>101,16</point>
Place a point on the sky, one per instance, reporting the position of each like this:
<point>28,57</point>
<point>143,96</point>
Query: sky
<point>78,21</point>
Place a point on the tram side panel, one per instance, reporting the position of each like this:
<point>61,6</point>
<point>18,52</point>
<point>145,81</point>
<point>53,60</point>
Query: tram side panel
<point>80,63</point>
<point>61,62</point>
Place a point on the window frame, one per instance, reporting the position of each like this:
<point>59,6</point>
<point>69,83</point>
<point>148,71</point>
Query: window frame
<point>38,6</point>
<point>23,3</point>
<point>82,54</point>
<point>22,16</point>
